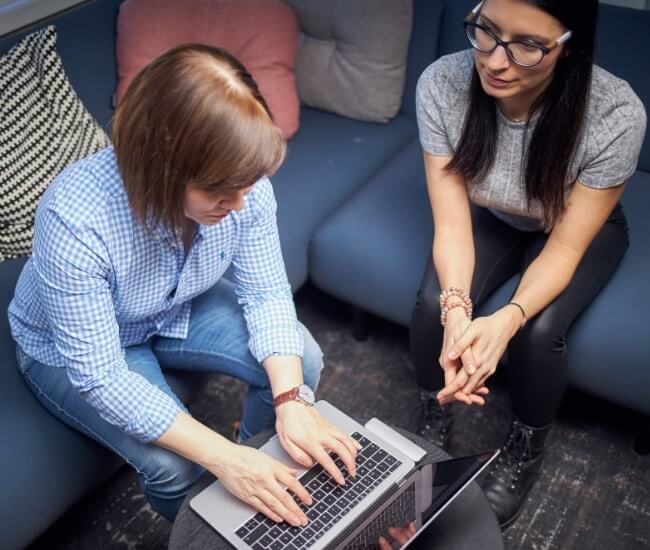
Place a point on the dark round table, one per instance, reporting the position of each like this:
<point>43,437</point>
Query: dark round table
<point>468,522</point>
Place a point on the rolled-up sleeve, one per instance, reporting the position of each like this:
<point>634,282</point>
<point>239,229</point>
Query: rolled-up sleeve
<point>72,275</point>
<point>261,280</point>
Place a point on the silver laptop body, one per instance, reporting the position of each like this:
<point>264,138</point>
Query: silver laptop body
<point>392,499</point>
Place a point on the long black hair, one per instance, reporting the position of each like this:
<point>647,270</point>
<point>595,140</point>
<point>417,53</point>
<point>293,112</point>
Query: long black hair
<point>561,106</point>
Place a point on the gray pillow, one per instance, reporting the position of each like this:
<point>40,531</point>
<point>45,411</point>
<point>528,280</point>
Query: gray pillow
<point>352,55</point>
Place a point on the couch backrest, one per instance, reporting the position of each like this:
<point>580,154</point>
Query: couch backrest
<point>622,47</point>
<point>423,46</point>
<point>86,43</point>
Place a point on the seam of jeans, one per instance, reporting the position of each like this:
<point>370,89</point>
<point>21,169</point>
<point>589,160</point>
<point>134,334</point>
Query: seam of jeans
<point>98,437</point>
<point>489,273</point>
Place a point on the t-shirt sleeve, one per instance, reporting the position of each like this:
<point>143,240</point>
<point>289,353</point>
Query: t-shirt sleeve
<point>615,141</point>
<point>429,103</point>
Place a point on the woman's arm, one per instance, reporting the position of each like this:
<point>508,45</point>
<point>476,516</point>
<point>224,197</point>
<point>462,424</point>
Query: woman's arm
<point>551,272</point>
<point>544,280</point>
<point>276,340</point>
<point>453,257</point>
<point>247,473</point>
<point>453,242</point>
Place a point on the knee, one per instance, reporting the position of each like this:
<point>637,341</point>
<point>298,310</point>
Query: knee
<point>425,323</point>
<point>544,334</point>
<point>168,476</point>
<point>428,297</point>
<point>312,360</point>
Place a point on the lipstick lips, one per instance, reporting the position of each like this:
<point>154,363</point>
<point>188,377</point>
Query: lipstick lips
<point>496,82</point>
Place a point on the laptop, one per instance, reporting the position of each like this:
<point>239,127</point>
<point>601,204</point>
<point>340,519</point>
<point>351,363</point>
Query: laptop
<point>394,488</point>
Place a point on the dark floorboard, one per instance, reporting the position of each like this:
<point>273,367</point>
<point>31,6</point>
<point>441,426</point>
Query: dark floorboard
<point>593,493</point>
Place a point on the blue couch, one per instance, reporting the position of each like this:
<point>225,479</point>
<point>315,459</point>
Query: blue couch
<point>353,217</point>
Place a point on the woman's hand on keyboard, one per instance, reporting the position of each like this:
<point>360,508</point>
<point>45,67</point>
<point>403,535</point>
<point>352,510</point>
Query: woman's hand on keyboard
<point>262,482</point>
<point>308,437</point>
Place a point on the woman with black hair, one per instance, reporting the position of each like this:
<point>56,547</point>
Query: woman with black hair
<point>527,149</point>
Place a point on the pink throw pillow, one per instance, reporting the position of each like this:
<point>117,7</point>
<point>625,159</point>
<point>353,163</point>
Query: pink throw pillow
<point>262,34</point>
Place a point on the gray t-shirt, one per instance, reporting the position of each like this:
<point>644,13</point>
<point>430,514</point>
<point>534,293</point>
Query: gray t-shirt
<point>606,155</point>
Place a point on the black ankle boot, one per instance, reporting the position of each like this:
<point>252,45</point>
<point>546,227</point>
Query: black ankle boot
<point>435,421</point>
<point>515,470</point>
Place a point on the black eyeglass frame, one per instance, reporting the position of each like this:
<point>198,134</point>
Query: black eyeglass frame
<point>470,22</point>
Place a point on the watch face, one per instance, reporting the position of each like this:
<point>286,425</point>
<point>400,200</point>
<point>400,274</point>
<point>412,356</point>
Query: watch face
<point>305,394</point>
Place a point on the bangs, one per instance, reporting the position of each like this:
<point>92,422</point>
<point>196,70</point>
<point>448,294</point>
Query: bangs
<point>238,151</point>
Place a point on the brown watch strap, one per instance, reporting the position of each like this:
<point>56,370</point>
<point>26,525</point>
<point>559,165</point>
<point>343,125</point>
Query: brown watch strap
<point>290,395</point>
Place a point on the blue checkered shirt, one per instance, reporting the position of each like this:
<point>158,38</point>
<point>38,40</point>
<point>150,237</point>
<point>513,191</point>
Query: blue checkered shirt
<point>97,282</point>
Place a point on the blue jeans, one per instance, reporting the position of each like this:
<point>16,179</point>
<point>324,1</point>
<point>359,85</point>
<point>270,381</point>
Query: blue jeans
<point>217,342</point>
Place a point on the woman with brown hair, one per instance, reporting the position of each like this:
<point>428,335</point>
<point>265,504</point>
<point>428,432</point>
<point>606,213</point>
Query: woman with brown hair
<point>129,252</point>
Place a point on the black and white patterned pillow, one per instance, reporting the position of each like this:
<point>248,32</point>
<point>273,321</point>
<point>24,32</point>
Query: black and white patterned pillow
<point>44,127</point>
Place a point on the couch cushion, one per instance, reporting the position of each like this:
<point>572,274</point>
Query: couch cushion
<point>327,160</point>
<point>44,452</point>
<point>352,55</point>
<point>44,127</point>
<point>371,253</point>
<point>262,34</point>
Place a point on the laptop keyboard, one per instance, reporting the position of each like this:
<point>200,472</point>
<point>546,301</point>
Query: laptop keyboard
<point>330,500</point>
<point>399,514</point>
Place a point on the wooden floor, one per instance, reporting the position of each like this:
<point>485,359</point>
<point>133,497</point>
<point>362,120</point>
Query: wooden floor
<point>593,492</point>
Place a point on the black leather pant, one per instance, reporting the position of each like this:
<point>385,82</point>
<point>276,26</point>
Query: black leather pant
<point>537,355</point>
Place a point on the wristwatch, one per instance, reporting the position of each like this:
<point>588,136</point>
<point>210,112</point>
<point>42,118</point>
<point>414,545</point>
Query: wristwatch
<point>300,393</point>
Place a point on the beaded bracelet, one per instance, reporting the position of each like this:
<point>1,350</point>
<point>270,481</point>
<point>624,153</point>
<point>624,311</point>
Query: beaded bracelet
<point>459,293</point>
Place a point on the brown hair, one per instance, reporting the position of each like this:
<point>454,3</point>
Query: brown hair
<point>192,116</point>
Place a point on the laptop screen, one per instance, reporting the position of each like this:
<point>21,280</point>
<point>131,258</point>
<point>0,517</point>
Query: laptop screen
<point>394,527</point>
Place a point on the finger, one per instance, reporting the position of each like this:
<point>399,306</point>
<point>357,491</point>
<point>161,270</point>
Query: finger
<point>474,399</point>
<point>352,445</point>
<point>478,380</point>
<point>257,503</point>
<point>401,536</point>
<point>459,381</point>
<point>483,390</point>
<point>277,498</point>
<point>463,398</point>
<point>321,456</point>
<point>445,361</point>
<point>474,380</point>
<point>449,374</point>
<point>296,453</point>
<point>465,341</point>
<point>343,453</point>
<point>412,528</point>
<point>469,362</point>
<point>297,488</point>
<point>383,544</point>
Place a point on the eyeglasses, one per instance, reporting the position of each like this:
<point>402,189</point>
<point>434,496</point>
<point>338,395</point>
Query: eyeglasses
<point>521,52</point>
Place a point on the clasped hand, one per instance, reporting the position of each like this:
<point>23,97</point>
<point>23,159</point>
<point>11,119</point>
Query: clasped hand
<point>262,481</point>
<point>470,354</point>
